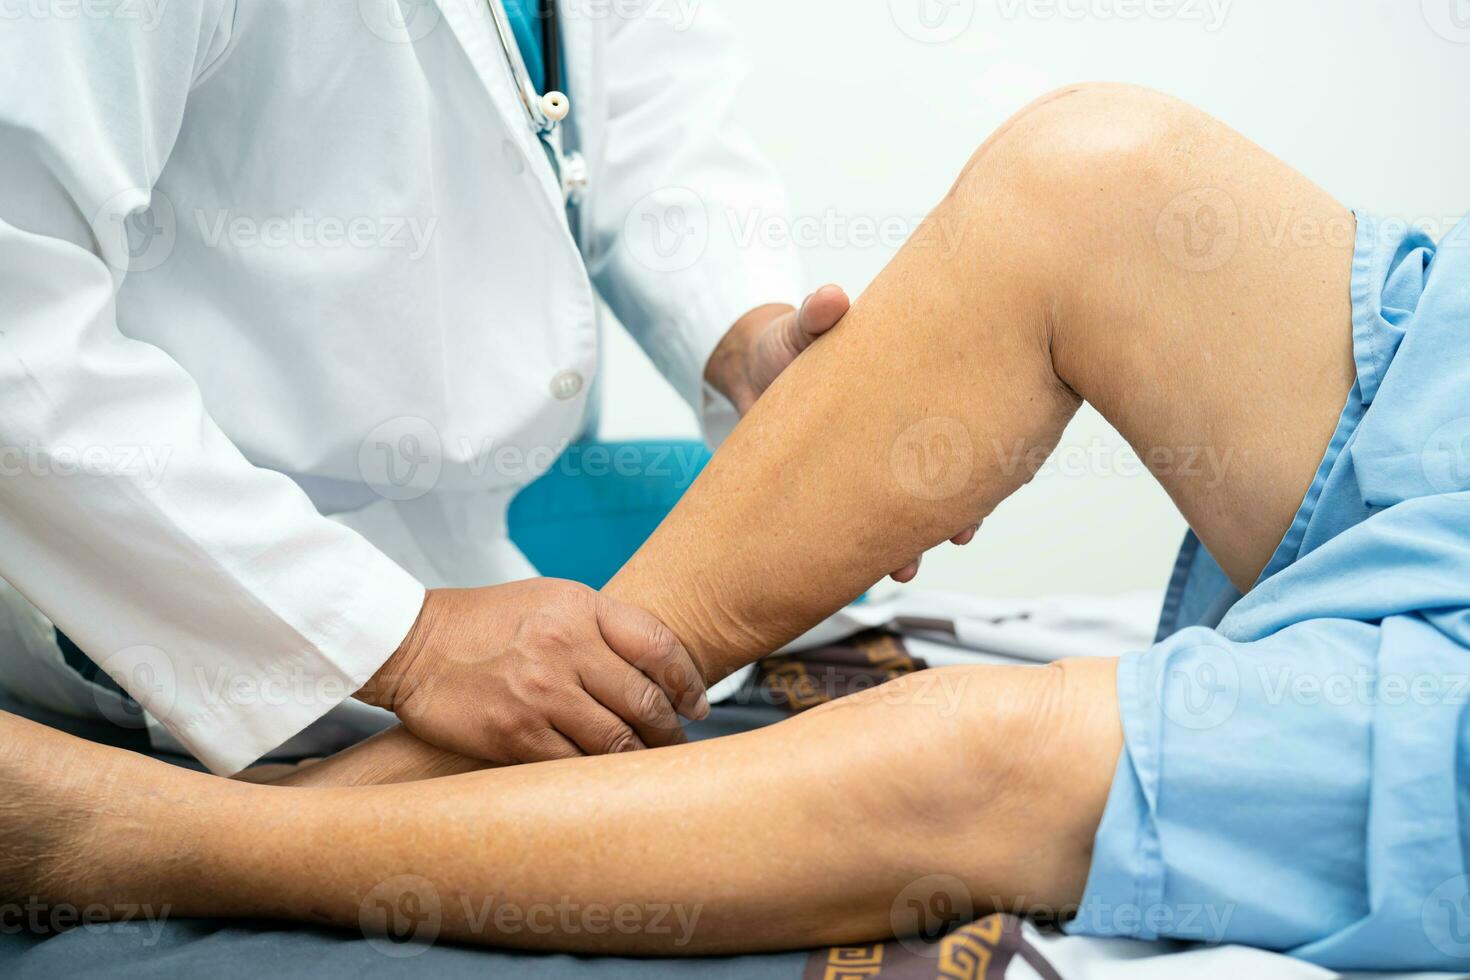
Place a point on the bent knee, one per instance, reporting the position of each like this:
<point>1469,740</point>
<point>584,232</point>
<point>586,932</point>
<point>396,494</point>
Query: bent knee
<point>1010,736</point>
<point>1017,764</point>
<point>1053,756</point>
<point>1037,728</point>
<point>1088,144</point>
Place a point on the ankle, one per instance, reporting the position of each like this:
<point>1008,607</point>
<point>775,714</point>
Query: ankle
<point>84,825</point>
<point>44,812</point>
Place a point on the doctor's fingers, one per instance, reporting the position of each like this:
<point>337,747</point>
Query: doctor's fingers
<point>820,312</point>
<point>629,694</point>
<point>910,571</point>
<point>967,535</point>
<point>595,729</point>
<point>640,639</point>
<point>542,745</point>
<point>790,334</point>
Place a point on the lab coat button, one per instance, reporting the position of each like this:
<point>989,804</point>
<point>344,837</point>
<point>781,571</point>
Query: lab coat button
<point>566,385</point>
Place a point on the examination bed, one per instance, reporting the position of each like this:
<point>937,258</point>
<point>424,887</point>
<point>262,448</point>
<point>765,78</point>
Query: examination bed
<point>989,949</point>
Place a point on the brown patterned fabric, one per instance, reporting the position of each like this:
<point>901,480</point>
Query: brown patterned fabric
<point>859,663</point>
<point>982,950</point>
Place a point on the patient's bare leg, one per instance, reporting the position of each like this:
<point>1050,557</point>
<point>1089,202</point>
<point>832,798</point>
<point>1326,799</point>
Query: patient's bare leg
<point>805,833</point>
<point>1069,279</point>
<point>1109,244</point>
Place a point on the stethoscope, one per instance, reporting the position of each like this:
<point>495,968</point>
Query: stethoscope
<point>545,112</point>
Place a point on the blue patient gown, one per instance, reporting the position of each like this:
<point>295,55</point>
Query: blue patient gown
<point>1296,772</point>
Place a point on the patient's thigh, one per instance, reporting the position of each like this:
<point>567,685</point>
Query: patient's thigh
<point>1205,310</point>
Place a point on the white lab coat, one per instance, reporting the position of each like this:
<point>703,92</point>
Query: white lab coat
<point>347,287</point>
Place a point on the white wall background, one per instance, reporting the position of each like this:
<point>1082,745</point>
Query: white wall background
<point>868,114</point>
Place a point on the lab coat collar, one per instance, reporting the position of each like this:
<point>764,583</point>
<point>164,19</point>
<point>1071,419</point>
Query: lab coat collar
<point>474,29</point>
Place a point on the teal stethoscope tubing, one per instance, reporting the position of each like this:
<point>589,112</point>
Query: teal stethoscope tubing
<point>541,109</point>
<point>551,44</point>
<point>544,112</point>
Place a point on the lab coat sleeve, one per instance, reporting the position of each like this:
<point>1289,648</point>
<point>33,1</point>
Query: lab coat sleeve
<point>210,589</point>
<point>690,229</point>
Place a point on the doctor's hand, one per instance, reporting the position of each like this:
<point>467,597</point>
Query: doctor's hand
<point>537,670</point>
<point>765,342</point>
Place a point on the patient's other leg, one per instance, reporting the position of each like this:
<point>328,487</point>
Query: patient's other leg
<point>818,830</point>
<point>1109,243</point>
